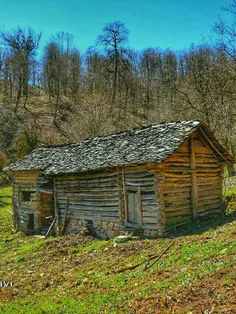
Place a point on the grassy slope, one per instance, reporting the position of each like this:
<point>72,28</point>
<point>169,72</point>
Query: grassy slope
<point>75,274</point>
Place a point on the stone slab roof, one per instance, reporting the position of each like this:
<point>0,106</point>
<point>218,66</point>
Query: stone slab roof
<point>148,144</point>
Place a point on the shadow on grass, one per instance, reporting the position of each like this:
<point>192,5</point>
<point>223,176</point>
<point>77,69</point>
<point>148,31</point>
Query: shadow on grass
<point>201,225</point>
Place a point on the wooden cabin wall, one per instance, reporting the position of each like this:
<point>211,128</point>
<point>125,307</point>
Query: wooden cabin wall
<point>141,180</point>
<point>46,204</point>
<point>25,181</point>
<point>90,199</point>
<point>102,200</point>
<point>179,188</point>
<point>209,180</point>
<point>35,211</point>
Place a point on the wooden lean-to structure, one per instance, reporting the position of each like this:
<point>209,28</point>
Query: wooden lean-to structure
<point>148,178</point>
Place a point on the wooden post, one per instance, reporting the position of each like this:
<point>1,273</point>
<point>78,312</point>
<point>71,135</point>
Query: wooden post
<point>159,188</point>
<point>140,214</point>
<point>38,227</point>
<point>224,207</point>
<point>65,218</point>
<point>56,209</point>
<point>125,194</point>
<point>120,194</point>
<point>194,191</point>
<point>16,208</point>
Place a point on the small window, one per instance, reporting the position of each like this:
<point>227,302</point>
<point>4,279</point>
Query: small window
<point>26,196</point>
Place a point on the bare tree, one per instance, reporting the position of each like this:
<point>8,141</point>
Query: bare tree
<point>151,72</point>
<point>113,39</point>
<point>227,31</point>
<point>61,75</point>
<point>23,46</point>
<point>94,71</point>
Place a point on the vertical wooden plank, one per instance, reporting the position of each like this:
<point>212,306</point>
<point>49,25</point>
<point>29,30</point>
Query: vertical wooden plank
<point>16,208</point>
<point>194,191</point>
<point>122,200</point>
<point>160,186</point>
<point>38,220</point>
<point>139,208</point>
<point>221,175</point>
<point>130,217</point>
<point>56,208</point>
<point>135,207</point>
<point>63,229</point>
<point>125,196</point>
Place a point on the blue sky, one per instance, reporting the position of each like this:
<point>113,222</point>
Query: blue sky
<point>173,24</point>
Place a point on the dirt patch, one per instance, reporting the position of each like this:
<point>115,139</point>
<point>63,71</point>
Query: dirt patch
<point>211,295</point>
<point>69,241</point>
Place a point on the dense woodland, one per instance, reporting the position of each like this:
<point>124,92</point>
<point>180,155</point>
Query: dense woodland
<point>66,96</point>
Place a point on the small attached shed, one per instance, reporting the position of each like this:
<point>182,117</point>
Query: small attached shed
<point>145,179</point>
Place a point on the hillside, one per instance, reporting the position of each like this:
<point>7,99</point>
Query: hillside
<point>80,274</point>
<point>43,122</point>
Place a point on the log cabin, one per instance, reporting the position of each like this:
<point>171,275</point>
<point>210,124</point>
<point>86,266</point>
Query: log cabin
<point>146,179</point>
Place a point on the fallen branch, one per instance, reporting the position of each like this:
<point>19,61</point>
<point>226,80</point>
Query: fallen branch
<point>156,257</point>
<point>128,268</point>
<point>149,265</point>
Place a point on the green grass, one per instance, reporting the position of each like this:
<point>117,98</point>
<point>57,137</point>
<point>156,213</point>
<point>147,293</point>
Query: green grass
<point>230,191</point>
<point>73,274</point>
<point>229,186</point>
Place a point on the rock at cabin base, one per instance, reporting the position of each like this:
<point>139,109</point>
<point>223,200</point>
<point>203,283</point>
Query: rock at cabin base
<point>122,239</point>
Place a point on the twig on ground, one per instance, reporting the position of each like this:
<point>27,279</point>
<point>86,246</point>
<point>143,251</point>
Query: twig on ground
<point>156,257</point>
<point>148,265</point>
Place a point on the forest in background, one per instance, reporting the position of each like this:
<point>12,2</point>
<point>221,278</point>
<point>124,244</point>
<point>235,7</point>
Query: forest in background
<point>66,96</point>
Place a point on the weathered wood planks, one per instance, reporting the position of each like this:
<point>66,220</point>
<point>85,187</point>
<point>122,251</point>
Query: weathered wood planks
<point>186,185</point>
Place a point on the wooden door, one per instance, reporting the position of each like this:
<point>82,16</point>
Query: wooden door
<point>133,207</point>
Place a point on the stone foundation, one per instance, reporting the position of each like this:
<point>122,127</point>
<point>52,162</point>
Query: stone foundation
<point>98,228</point>
<point>103,229</point>
<point>150,233</point>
